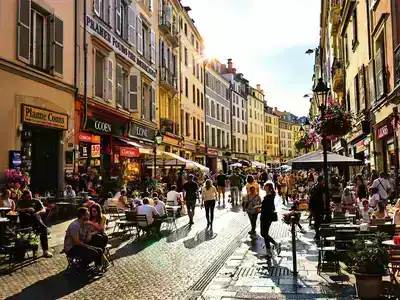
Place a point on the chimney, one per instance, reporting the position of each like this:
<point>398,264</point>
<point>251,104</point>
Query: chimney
<point>258,87</point>
<point>230,64</point>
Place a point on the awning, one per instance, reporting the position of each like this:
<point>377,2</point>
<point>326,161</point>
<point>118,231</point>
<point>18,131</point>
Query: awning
<point>131,143</point>
<point>316,160</point>
<point>258,164</point>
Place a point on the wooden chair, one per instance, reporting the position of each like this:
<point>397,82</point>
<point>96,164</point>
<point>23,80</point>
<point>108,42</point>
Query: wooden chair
<point>394,263</point>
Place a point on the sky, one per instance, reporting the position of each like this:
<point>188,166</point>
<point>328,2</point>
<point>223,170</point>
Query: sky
<point>267,41</point>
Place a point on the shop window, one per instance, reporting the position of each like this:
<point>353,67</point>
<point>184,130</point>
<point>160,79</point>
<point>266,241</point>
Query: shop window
<point>102,9</point>
<point>40,38</point>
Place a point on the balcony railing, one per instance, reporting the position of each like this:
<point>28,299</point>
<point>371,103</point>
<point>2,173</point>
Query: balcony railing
<point>168,28</point>
<point>168,79</point>
<point>169,126</point>
<point>337,75</point>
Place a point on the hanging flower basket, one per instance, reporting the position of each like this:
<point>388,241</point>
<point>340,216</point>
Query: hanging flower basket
<point>306,141</point>
<point>300,144</point>
<point>336,122</point>
<point>291,217</point>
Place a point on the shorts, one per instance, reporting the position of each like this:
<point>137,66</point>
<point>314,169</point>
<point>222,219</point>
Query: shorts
<point>221,189</point>
<point>190,205</point>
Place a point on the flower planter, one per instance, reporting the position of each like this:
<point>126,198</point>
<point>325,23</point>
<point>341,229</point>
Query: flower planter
<point>368,286</point>
<point>291,218</point>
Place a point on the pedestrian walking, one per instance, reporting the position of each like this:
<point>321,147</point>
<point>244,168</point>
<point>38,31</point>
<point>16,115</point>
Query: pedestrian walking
<point>191,194</point>
<point>269,215</point>
<point>253,206</point>
<point>221,184</point>
<point>317,204</point>
<point>235,181</point>
<point>209,195</point>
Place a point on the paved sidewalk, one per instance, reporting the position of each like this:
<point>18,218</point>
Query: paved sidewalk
<point>248,275</point>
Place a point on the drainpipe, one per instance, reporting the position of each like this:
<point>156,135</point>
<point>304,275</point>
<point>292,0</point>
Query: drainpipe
<point>75,48</point>
<point>85,69</point>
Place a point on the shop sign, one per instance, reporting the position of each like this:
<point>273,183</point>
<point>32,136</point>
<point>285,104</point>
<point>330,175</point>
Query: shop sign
<point>15,159</point>
<point>212,152</point>
<point>362,145</point>
<point>104,127</point>
<point>382,131</point>
<point>129,152</point>
<point>95,151</point>
<point>43,117</point>
<point>169,140</point>
<point>89,138</point>
<point>141,132</point>
<point>96,29</point>
<point>83,151</point>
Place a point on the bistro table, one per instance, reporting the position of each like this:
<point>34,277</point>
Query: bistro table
<point>4,211</point>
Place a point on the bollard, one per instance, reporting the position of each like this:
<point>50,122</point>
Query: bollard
<point>294,255</point>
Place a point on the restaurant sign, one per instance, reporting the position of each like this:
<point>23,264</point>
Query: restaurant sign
<point>383,131</point>
<point>212,152</point>
<point>120,47</point>
<point>129,152</point>
<point>104,127</point>
<point>43,117</point>
<point>89,138</point>
<point>142,133</point>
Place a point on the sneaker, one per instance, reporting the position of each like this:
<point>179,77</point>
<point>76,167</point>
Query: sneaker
<point>47,254</point>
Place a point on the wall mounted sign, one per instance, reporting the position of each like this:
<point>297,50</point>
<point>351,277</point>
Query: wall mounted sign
<point>383,131</point>
<point>120,47</point>
<point>169,140</point>
<point>212,152</point>
<point>15,160</point>
<point>129,152</point>
<point>102,126</point>
<point>89,138</point>
<point>95,151</point>
<point>142,132</point>
<point>83,151</point>
<point>43,117</point>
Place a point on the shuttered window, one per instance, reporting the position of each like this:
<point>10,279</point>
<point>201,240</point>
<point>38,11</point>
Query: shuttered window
<point>120,86</point>
<point>57,45</point>
<point>379,74</point>
<point>132,24</point>
<point>139,35</point>
<point>118,17</point>
<point>133,95</point>
<point>24,23</point>
<point>109,76</point>
<point>371,81</point>
<point>152,95</point>
<point>153,47</point>
<point>99,74</point>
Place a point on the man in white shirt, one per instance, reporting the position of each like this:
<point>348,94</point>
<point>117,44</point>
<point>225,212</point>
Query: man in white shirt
<point>69,192</point>
<point>383,186</point>
<point>150,213</point>
<point>173,196</point>
<point>160,207</point>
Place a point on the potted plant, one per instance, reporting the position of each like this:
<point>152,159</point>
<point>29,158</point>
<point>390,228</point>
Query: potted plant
<point>291,217</point>
<point>369,262</point>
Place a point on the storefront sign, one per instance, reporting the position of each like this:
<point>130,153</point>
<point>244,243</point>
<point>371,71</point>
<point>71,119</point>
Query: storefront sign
<point>141,132</point>
<point>95,28</point>
<point>382,131</point>
<point>129,152</point>
<point>212,152</point>
<point>83,151</point>
<point>169,140</point>
<point>95,151</point>
<point>101,126</point>
<point>89,138</point>
<point>15,159</point>
<point>362,145</point>
<point>47,118</point>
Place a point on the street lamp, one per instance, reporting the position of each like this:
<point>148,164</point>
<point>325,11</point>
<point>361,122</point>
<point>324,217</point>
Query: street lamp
<point>265,159</point>
<point>157,141</point>
<point>321,96</point>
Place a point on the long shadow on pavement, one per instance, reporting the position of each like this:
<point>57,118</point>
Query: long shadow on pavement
<point>205,235</point>
<point>178,234</point>
<point>53,287</point>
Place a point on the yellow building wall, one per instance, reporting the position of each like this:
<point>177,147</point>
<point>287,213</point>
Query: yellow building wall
<point>256,118</point>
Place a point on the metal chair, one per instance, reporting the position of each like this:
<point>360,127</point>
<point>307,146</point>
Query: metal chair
<point>327,235</point>
<point>142,219</point>
<point>170,220</point>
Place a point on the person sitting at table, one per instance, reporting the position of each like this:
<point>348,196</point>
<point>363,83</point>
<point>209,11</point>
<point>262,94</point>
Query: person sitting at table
<point>160,207</point>
<point>7,201</point>
<point>76,243</point>
<point>97,223</point>
<point>347,197</point>
<point>173,196</point>
<point>69,192</point>
<point>381,213</point>
<point>374,198</point>
<point>87,202</point>
<point>366,211</point>
<point>160,195</point>
<point>30,214</point>
<point>122,202</point>
<point>396,217</point>
<point>150,213</point>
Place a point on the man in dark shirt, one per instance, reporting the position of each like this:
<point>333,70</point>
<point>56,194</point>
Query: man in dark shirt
<point>221,182</point>
<point>191,194</point>
<point>30,212</point>
<point>235,181</point>
<point>317,204</point>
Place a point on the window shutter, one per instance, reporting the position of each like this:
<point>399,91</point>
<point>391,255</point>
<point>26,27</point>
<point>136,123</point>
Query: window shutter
<point>151,5</point>
<point>24,24</point>
<point>118,16</point>
<point>171,62</point>
<point>133,97</point>
<point>106,11</point>
<point>109,76</point>
<point>139,35</point>
<point>96,7</point>
<point>131,25</point>
<point>153,104</point>
<point>119,85</point>
<point>371,79</point>
<point>361,85</point>
<point>56,45</point>
<point>379,74</point>
<point>165,56</point>
<point>153,47</point>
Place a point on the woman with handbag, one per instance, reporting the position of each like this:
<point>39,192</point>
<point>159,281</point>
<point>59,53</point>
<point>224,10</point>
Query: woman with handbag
<point>253,208</point>
<point>268,215</point>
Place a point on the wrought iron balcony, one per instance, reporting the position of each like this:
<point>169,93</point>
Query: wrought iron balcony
<point>169,126</point>
<point>168,79</point>
<point>337,75</point>
<point>168,28</point>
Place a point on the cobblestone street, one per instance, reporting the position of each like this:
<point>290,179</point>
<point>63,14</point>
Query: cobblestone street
<point>179,266</point>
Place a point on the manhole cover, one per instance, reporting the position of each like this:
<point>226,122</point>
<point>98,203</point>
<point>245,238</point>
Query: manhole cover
<point>263,271</point>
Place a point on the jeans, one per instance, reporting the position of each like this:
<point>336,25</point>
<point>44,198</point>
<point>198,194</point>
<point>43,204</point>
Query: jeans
<point>235,194</point>
<point>28,219</point>
<point>209,206</point>
<point>318,217</point>
<point>265,226</point>
<point>99,240</point>
<point>88,254</point>
<point>253,221</point>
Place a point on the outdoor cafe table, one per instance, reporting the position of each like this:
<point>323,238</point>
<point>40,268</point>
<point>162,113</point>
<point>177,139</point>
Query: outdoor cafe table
<point>4,211</point>
<point>389,243</point>
<point>344,226</point>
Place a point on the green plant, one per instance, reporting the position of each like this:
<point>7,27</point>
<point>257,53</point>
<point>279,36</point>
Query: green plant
<point>369,258</point>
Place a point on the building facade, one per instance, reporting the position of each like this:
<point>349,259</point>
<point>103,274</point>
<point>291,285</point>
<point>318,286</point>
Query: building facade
<point>191,66</point>
<point>255,117</point>
<point>38,87</point>
<point>238,98</point>
<point>272,136</point>
<point>218,117</point>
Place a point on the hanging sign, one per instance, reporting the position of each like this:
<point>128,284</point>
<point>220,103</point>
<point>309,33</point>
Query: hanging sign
<point>382,131</point>
<point>95,151</point>
<point>129,152</point>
